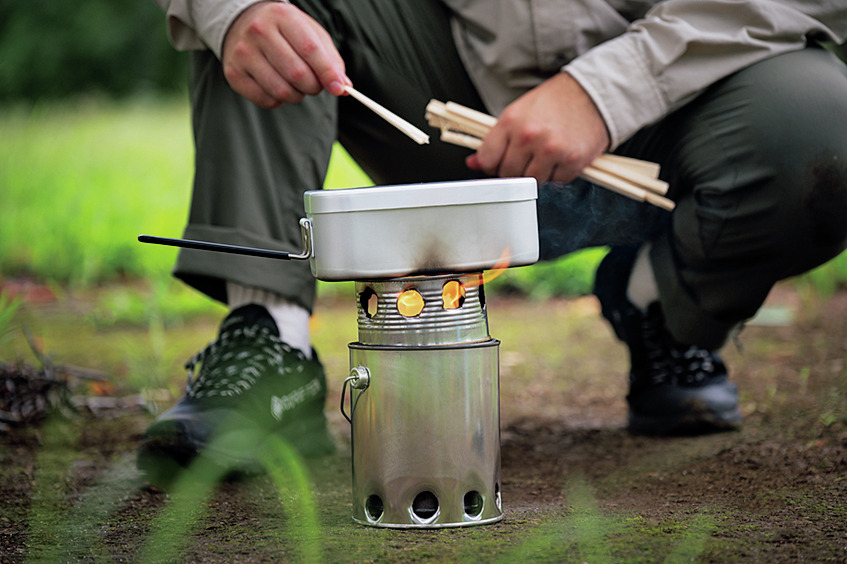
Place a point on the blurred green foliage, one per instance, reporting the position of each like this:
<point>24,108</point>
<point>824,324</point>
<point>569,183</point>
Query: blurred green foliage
<point>8,307</point>
<point>51,49</point>
<point>80,179</point>
<point>571,275</point>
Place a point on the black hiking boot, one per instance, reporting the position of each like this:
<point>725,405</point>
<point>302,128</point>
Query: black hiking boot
<point>250,386</point>
<point>675,389</point>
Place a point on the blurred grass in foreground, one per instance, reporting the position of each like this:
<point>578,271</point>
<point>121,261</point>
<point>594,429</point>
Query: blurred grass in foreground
<point>80,180</point>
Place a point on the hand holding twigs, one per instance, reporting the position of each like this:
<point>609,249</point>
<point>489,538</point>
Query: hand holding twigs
<point>633,178</point>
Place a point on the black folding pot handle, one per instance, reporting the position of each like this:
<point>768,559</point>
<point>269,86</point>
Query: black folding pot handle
<point>305,229</point>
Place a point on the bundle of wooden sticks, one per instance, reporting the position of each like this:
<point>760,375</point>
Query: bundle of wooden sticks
<point>464,126</point>
<point>633,178</point>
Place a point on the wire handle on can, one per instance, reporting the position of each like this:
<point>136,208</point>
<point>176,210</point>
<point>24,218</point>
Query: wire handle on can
<point>359,379</point>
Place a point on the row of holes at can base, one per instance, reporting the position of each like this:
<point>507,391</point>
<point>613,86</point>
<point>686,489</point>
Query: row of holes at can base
<point>425,508</point>
<point>410,303</point>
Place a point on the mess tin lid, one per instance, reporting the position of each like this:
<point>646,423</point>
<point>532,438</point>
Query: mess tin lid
<point>461,192</point>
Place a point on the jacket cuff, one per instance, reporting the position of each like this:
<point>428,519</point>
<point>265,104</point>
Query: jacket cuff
<point>203,24</point>
<point>619,81</point>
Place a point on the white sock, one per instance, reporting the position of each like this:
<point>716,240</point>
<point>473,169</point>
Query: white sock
<point>642,289</point>
<point>291,319</point>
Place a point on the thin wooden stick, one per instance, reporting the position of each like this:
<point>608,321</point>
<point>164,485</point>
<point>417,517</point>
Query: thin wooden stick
<point>463,139</point>
<point>413,132</point>
<point>626,188</point>
<point>614,183</point>
<point>612,167</point>
<point>660,201</point>
<point>636,165</point>
<point>439,115</point>
<point>471,114</point>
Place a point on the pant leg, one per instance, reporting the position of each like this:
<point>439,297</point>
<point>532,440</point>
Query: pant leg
<point>248,184</point>
<point>401,53</point>
<point>253,165</point>
<point>758,167</point>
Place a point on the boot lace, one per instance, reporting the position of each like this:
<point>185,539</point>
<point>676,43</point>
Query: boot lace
<point>666,361</point>
<point>234,362</point>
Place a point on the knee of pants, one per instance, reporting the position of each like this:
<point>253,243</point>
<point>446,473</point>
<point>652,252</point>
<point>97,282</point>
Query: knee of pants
<point>803,206</point>
<point>813,160</point>
<point>773,187</point>
<point>809,218</point>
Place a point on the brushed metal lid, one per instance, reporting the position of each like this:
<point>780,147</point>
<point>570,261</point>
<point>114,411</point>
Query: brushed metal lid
<point>461,192</point>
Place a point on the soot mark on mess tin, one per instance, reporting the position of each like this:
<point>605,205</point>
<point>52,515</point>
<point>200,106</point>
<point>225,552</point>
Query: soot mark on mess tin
<point>431,259</point>
<point>827,201</point>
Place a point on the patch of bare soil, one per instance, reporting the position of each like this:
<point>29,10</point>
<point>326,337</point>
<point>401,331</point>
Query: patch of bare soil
<point>576,485</point>
<point>777,488</point>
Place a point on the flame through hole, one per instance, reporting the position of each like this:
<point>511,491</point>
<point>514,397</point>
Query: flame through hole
<point>453,295</point>
<point>410,303</point>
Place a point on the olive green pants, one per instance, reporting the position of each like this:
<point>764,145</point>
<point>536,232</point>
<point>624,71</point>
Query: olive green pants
<point>757,166</point>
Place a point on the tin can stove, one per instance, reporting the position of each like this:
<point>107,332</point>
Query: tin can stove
<point>424,405</point>
<point>422,397</point>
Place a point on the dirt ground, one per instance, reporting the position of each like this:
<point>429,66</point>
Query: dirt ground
<point>576,485</point>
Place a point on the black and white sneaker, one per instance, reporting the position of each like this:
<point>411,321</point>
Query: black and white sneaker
<point>675,389</point>
<point>249,385</point>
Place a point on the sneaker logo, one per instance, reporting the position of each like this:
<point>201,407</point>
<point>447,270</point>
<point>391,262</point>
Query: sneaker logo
<point>280,405</point>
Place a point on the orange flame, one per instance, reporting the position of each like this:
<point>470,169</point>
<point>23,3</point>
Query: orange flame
<point>410,303</point>
<point>453,295</point>
<point>499,268</point>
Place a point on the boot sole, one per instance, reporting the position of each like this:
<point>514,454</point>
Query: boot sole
<point>688,424</point>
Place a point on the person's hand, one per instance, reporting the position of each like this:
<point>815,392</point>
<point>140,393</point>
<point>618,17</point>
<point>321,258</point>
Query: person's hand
<point>551,133</point>
<point>275,54</point>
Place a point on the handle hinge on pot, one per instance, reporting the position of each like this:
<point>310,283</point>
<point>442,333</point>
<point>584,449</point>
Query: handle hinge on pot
<point>306,238</point>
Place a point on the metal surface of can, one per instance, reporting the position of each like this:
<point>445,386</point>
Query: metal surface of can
<point>425,406</point>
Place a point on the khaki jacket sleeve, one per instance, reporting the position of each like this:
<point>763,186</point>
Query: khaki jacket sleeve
<point>201,24</point>
<point>682,46</point>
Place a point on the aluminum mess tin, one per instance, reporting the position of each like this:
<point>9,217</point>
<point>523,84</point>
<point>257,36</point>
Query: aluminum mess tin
<point>417,229</point>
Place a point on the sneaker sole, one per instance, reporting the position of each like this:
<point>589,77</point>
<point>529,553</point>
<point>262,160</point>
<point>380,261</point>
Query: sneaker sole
<point>162,460</point>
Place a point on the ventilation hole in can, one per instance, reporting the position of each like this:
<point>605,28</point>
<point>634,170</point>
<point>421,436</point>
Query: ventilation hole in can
<point>368,302</point>
<point>425,506</point>
<point>473,504</point>
<point>497,499</point>
<point>481,294</point>
<point>410,303</point>
<point>453,295</point>
<point>374,508</point>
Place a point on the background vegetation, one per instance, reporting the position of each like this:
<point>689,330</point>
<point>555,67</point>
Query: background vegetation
<point>52,50</point>
<point>95,148</point>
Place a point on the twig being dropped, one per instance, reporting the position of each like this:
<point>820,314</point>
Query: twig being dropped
<point>633,178</point>
<point>416,134</point>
